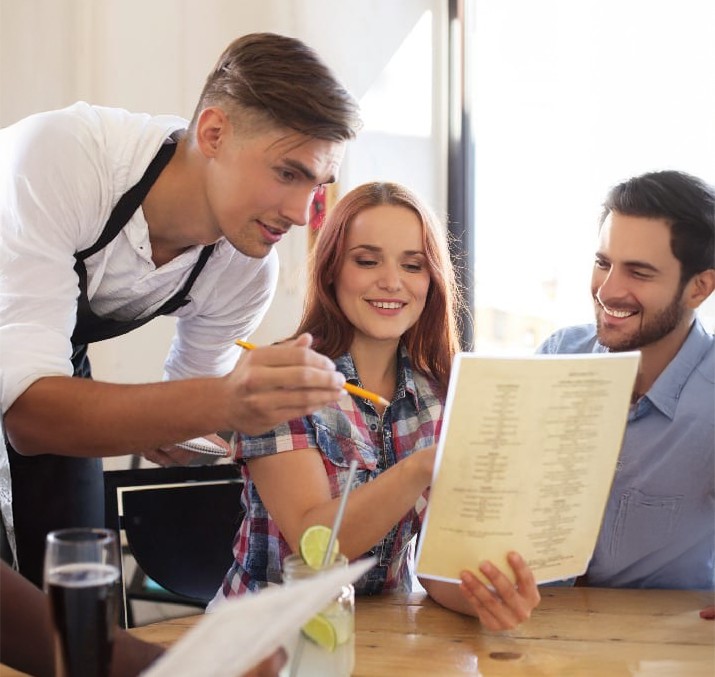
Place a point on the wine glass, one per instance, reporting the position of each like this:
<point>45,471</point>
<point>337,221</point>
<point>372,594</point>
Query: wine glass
<point>82,581</point>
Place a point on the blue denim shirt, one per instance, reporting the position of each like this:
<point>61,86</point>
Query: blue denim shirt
<point>658,530</point>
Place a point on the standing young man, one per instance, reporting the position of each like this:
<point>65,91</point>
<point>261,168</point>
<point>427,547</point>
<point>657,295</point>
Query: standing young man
<point>654,266</point>
<point>109,219</point>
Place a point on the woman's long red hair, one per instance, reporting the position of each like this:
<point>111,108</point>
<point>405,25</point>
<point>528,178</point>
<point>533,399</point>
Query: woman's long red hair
<point>433,341</point>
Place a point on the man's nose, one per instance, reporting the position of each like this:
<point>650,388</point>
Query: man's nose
<point>612,286</point>
<point>296,208</point>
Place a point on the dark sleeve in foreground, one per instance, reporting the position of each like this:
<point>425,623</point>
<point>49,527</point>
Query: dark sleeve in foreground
<point>26,642</point>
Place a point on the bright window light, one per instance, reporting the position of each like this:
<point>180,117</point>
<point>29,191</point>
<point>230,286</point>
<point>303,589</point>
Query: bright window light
<point>400,100</point>
<point>570,98</point>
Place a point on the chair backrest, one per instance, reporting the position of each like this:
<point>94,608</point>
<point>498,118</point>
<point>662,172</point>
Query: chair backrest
<point>179,524</point>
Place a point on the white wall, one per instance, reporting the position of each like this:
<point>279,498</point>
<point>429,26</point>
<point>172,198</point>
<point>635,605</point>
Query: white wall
<point>153,55</point>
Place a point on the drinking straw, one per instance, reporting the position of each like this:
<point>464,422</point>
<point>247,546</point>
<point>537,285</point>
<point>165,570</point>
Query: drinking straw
<point>326,557</point>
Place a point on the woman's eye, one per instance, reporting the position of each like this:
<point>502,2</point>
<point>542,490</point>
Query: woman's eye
<point>365,263</point>
<point>413,267</point>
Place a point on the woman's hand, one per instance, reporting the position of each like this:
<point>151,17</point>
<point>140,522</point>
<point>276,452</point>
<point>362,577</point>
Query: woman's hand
<point>507,605</point>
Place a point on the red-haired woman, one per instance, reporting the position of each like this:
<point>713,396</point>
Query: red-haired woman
<point>381,303</point>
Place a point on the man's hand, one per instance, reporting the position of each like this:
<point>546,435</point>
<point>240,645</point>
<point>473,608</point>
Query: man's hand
<point>274,384</point>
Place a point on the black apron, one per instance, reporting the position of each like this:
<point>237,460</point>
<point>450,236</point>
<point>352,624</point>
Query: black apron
<point>55,492</point>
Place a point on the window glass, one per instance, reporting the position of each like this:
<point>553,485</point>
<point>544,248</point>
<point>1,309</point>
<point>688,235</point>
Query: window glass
<point>568,99</point>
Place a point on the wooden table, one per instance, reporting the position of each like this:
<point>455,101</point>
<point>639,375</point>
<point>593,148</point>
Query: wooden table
<point>585,632</point>
<point>575,631</point>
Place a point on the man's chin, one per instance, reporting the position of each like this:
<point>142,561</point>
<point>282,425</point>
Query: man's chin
<point>616,344</point>
<point>255,251</point>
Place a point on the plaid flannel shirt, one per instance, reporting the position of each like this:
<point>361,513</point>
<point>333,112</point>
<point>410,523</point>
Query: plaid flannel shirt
<point>350,428</point>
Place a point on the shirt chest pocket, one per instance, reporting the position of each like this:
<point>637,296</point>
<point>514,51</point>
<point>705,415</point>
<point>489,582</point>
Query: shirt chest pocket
<point>340,447</point>
<point>644,523</point>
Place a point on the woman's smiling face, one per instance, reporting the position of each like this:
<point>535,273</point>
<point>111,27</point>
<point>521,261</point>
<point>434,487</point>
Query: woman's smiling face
<point>383,283</point>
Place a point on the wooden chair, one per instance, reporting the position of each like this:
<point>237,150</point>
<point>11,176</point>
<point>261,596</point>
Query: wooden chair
<point>178,524</point>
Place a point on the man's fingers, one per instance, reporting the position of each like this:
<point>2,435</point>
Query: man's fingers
<point>291,353</point>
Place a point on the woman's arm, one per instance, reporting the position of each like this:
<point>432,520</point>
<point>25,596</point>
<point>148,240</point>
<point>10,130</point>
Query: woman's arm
<point>501,609</point>
<point>294,488</point>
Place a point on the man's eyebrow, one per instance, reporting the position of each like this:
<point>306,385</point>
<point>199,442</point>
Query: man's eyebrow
<point>642,264</point>
<point>305,171</point>
<point>630,264</point>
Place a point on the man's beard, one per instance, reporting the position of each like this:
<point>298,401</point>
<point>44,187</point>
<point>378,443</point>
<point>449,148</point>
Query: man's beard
<point>649,332</point>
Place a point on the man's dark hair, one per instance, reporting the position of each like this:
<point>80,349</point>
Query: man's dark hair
<point>284,81</point>
<point>688,205</point>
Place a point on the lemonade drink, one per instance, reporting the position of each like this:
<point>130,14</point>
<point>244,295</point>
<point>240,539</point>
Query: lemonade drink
<point>327,641</point>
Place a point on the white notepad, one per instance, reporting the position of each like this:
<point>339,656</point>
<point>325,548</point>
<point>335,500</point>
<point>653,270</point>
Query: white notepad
<point>203,446</point>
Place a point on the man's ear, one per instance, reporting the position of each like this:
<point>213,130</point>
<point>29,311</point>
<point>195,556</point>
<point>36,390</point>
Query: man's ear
<point>700,287</point>
<point>212,129</point>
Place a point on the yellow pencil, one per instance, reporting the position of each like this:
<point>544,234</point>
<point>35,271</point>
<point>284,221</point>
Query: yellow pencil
<point>355,390</point>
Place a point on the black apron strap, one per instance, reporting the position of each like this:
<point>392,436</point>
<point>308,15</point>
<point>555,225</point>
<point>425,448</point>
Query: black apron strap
<point>53,492</point>
<point>91,328</point>
<point>130,201</point>
<point>181,297</point>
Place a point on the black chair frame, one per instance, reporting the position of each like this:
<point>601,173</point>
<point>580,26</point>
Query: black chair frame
<point>178,524</point>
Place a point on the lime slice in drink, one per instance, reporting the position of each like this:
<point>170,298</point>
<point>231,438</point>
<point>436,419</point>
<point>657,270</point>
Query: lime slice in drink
<point>341,620</point>
<point>321,631</point>
<point>314,543</point>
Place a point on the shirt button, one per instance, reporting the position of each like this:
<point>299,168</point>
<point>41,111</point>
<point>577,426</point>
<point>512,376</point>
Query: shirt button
<point>373,426</point>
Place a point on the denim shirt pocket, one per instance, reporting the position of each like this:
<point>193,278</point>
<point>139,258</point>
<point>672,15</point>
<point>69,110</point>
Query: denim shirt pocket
<point>341,448</point>
<point>644,523</point>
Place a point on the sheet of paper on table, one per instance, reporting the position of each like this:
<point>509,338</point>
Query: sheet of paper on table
<point>244,630</point>
<point>525,462</point>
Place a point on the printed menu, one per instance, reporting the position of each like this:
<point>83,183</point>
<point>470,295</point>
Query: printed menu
<point>525,461</point>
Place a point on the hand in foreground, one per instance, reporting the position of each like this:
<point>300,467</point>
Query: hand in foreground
<point>274,384</point>
<point>508,604</point>
<point>708,613</point>
<point>270,667</point>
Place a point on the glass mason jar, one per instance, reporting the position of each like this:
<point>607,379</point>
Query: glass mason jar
<point>326,644</point>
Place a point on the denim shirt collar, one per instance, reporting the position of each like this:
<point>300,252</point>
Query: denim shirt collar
<point>405,375</point>
<point>665,392</point>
